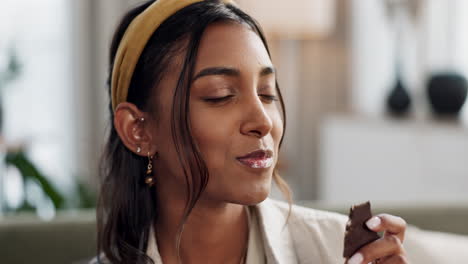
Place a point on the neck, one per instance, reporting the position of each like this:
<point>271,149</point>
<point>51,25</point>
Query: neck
<point>217,231</point>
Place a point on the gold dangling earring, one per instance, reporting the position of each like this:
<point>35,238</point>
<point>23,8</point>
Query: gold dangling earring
<point>149,180</point>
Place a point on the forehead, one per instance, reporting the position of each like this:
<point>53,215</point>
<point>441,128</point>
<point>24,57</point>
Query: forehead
<point>231,44</point>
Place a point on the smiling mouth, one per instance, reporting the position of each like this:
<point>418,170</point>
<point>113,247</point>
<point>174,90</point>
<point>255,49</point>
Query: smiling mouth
<point>260,159</point>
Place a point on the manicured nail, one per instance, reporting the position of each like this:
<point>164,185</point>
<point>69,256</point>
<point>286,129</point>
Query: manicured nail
<point>374,223</point>
<point>356,259</point>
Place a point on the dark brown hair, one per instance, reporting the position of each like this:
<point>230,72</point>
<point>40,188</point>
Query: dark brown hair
<point>127,207</point>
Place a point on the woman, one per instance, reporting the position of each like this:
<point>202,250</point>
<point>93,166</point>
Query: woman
<point>196,125</point>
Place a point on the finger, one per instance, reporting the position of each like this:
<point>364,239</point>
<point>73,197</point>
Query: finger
<point>379,249</point>
<point>391,224</point>
<point>395,259</point>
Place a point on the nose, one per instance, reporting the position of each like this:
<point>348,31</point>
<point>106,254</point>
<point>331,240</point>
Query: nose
<point>257,122</point>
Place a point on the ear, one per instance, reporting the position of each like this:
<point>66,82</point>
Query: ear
<point>133,127</point>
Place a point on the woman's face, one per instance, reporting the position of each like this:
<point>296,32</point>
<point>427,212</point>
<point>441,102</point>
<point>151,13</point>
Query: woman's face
<point>233,114</point>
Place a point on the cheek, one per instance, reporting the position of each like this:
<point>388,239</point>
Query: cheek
<point>213,134</point>
<point>209,137</point>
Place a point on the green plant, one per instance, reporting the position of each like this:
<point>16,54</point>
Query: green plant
<point>83,197</point>
<point>29,172</point>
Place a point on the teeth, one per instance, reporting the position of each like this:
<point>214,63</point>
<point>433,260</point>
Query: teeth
<point>263,163</point>
<point>258,163</point>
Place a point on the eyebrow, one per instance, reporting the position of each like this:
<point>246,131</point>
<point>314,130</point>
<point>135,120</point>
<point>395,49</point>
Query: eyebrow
<point>230,71</point>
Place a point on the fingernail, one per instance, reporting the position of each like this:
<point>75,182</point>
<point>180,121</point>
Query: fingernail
<point>356,259</point>
<point>374,222</point>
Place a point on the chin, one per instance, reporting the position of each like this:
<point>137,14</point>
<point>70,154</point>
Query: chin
<point>243,191</point>
<point>256,196</point>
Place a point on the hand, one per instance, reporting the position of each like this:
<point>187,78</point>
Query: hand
<point>389,248</point>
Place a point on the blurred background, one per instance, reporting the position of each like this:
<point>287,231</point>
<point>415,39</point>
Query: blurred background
<point>375,96</point>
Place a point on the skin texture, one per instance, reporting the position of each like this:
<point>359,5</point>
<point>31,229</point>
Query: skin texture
<point>247,120</point>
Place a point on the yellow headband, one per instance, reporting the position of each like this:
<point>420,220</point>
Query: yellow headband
<point>134,41</point>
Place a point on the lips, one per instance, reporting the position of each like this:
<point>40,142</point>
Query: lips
<point>258,154</point>
<point>258,159</point>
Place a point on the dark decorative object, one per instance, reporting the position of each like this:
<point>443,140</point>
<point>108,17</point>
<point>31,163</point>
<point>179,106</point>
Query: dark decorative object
<point>399,100</point>
<point>447,93</point>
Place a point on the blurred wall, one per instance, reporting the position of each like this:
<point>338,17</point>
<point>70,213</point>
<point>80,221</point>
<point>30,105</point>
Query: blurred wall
<point>314,78</point>
<point>94,22</point>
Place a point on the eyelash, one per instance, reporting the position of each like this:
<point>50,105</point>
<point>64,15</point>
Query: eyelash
<point>269,98</point>
<point>218,99</point>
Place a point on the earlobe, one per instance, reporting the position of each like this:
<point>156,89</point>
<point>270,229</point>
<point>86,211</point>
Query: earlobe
<point>130,124</point>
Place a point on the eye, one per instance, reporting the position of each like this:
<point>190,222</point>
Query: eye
<point>217,99</point>
<point>269,98</point>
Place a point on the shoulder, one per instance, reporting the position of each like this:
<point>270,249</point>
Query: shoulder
<point>316,234</point>
<point>101,259</point>
<point>94,261</point>
<point>307,216</point>
<point>302,220</point>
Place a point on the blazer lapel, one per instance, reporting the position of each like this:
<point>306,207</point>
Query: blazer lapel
<point>277,240</point>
